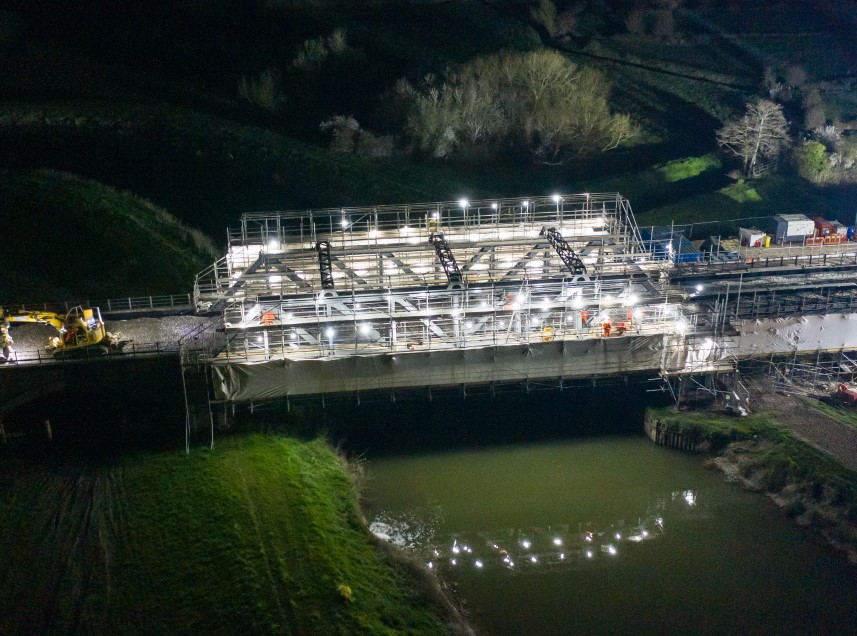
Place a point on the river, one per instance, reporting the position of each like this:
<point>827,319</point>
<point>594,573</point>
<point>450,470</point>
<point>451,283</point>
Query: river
<point>608,535</point>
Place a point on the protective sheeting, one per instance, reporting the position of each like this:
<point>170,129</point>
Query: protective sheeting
<point>570,359</point>
<point>831,332</point>
<point>601,357</point>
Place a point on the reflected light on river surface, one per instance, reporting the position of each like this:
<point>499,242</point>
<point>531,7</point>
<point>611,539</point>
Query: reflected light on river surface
<point>523,549</point>
<point>608,536</point>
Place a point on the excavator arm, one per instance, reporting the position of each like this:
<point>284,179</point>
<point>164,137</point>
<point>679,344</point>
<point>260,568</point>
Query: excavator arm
<point>39,317</point>
<point>79,328</point>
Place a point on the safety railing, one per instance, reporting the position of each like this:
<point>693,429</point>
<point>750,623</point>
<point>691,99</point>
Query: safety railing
<point>114,305</point>
<point>27,357</point>
<point>332,324</point>
<point>748,259</point>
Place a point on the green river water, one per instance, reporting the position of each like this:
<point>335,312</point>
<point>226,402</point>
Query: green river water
<point>608,535</point>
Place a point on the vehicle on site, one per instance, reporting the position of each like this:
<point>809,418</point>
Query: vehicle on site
<point>81,330</point>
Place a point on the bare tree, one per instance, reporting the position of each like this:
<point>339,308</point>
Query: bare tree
<point>759,136</point>
<point>544,13</point>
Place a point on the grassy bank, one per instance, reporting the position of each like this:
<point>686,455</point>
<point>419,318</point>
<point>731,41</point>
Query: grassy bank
<point>263,535</point>
<point>809,484</point>
<point>68,238</point>
<point>724,208</point>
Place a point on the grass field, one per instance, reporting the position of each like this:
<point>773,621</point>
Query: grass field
<point>717,210</point>
<point>208,169</point>
<point>262,536</point>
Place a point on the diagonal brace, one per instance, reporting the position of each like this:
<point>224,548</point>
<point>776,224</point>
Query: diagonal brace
<point>447,260</point>
<point>563,249</point>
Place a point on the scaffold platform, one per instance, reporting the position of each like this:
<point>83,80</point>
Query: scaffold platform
<point>438,294</point>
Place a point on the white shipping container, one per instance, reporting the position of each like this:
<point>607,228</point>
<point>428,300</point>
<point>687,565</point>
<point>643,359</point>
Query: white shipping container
<point>751,237</point>
<point>792,227</point>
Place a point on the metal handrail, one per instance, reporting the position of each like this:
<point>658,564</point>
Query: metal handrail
<point>111,305</point>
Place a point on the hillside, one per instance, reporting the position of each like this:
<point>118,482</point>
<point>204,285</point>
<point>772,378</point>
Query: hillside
<point>66,238</point>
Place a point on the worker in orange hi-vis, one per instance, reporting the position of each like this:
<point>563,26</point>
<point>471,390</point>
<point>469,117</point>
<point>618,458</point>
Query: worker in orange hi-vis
<point>606,327</point>
<point>267,318</point>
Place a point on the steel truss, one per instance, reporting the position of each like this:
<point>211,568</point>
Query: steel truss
<point>563,249</point>
<point>439,276</point>
<point>447,260</point>
<point>411,319</point>
<point>387,247</point>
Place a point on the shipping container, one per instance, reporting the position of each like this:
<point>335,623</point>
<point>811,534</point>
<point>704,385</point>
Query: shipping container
<point>823,227</point>
<point>751,237</point>
<point>792,228</point>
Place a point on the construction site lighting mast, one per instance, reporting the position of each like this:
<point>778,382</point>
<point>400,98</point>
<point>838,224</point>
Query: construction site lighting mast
<point>558,200</point>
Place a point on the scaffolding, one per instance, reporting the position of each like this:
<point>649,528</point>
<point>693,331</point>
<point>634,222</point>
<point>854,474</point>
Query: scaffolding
<point>425,319</point>
<point>805,376</point>
<point>384,247</point>
<point>473,289</point>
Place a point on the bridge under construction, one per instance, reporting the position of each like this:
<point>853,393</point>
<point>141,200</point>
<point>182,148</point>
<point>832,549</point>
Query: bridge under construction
<point>548,290</point>
<point>440,294</point>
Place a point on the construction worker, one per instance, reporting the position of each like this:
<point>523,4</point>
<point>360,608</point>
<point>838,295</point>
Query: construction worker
<point>6,341</point>
<point>606,326</point>
<point>267,318</point>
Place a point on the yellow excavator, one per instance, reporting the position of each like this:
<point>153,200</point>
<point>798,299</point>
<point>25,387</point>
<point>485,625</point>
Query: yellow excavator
<point>80,329</point>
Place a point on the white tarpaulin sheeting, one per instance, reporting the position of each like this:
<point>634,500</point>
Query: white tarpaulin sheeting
<point>831,332</point>
<point>559,359</point>
<point>569,359</point>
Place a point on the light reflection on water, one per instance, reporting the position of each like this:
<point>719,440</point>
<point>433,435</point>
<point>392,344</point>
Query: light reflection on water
<point>674,547</point>
<point>531,549</point>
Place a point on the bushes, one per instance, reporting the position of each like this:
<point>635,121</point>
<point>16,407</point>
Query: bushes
<point>815,163</point>
<point>348,137</point>
<point>538,102</point>
<point>811,161</point>
<point>263,90</point>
